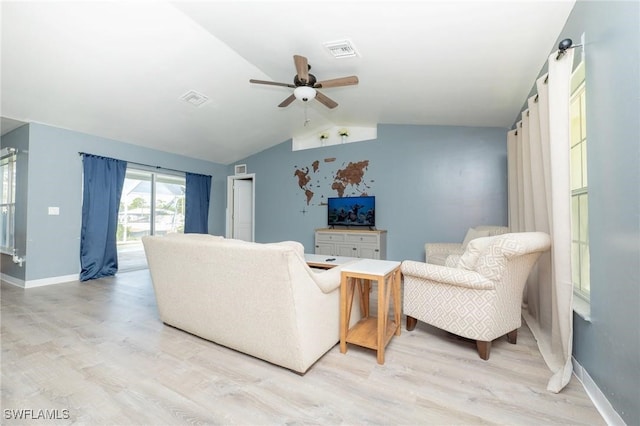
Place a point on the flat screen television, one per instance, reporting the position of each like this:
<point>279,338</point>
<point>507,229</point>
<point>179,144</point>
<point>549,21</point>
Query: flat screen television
<point>351,211</point>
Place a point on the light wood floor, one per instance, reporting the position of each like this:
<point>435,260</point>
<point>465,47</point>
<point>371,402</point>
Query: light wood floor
<point>99,351</point>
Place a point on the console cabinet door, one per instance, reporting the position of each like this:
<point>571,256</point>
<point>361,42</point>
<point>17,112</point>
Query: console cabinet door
<point>369,251</point>
<point>326,249</point>
<point>346,250</point>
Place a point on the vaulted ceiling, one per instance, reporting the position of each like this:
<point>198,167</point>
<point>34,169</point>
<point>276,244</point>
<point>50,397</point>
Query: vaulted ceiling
<point>119,69</point>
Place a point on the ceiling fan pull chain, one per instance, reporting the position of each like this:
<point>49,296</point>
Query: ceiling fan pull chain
<point>306,119</point>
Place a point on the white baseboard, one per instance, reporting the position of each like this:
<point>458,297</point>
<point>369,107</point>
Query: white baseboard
<point>598,398</point>
<point>38,283</point>
<point>12,280</point>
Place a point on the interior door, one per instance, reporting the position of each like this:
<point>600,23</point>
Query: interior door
<point>242,213</point>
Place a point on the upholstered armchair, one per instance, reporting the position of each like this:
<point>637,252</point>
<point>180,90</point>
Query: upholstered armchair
<point>437,253</point>
<point>479,295</point>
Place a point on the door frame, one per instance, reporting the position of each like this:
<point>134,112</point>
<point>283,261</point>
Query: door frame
<point>230,180</point>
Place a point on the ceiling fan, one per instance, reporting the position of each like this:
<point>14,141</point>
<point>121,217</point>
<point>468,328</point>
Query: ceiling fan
<point>305,84</point>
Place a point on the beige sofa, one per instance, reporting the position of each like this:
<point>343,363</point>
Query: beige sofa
<point>259,299</point>
<point>437,253</point>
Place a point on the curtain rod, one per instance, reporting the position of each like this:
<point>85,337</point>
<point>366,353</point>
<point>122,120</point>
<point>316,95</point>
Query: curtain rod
<point>8,151</point>
<point>141,164</point>
<point>562,49</point>
<point>564,45</point>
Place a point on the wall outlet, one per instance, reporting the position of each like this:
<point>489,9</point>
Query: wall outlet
<point>54,211</point>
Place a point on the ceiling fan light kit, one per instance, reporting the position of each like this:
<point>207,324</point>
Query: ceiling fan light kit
<point>304,93</point>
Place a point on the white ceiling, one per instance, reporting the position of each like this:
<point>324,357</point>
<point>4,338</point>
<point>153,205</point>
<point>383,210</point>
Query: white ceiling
<point>117,69</point>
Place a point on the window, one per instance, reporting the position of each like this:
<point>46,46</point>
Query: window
<point>8,200</point>
<point>579,187</point>
<point>152,203</point>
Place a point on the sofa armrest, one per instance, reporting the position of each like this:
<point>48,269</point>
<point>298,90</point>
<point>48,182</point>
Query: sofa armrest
<point>328,280</point>
<point>445,275</point>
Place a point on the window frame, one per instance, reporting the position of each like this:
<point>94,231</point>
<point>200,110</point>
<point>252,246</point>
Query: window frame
<point>581,285</point>
<point>8,159</point>
<point>155,176</point>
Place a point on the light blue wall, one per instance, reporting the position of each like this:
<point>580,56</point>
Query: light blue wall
<point>431,184</point>
<point>18,139</point>
<point>608,347</point>
<point>55,179</point>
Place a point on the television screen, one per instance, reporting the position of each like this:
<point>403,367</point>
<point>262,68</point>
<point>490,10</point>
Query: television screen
<point>351,211</point>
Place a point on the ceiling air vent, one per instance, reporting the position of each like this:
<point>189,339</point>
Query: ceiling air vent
<point>341,49</point>
<point>194,98</point>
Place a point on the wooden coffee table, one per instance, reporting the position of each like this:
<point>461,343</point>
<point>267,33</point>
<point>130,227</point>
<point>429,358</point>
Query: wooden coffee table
<point>370,332</point>
<point>323,261</point>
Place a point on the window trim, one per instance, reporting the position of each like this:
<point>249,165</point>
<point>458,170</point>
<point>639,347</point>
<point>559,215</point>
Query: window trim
<point>581,299</point>
<point>153,174</point>
<point>10,155</point>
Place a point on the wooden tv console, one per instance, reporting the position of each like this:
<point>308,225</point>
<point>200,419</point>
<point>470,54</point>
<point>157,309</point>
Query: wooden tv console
<point>362,243</point>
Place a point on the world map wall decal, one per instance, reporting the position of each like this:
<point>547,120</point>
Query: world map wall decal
<point>319,182</point>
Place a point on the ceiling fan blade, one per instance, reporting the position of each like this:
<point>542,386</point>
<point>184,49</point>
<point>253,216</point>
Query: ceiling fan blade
<point>337,82</point>
<point>324,100</point>
<point>302,68</point>
<point>287,101</point>
<point>271,83</point>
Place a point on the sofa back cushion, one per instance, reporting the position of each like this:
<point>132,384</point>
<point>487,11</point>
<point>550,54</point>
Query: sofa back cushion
<point>193,237</point>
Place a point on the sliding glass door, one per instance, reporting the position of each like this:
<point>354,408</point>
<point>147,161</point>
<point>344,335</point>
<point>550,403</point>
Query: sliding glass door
<point>152,203</point>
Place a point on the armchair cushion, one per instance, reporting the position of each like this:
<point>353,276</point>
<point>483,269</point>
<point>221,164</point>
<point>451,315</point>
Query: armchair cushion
<point>502,249</point>
<point>452,260</point>
<point>472,234</point>
<point>437,253</point>
<point>471,254</point>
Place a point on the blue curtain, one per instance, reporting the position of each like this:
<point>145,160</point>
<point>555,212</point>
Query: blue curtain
<point>103,181</point>
<point>197,193</point>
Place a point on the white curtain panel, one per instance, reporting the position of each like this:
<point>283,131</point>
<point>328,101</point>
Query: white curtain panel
<point>540,200</point>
